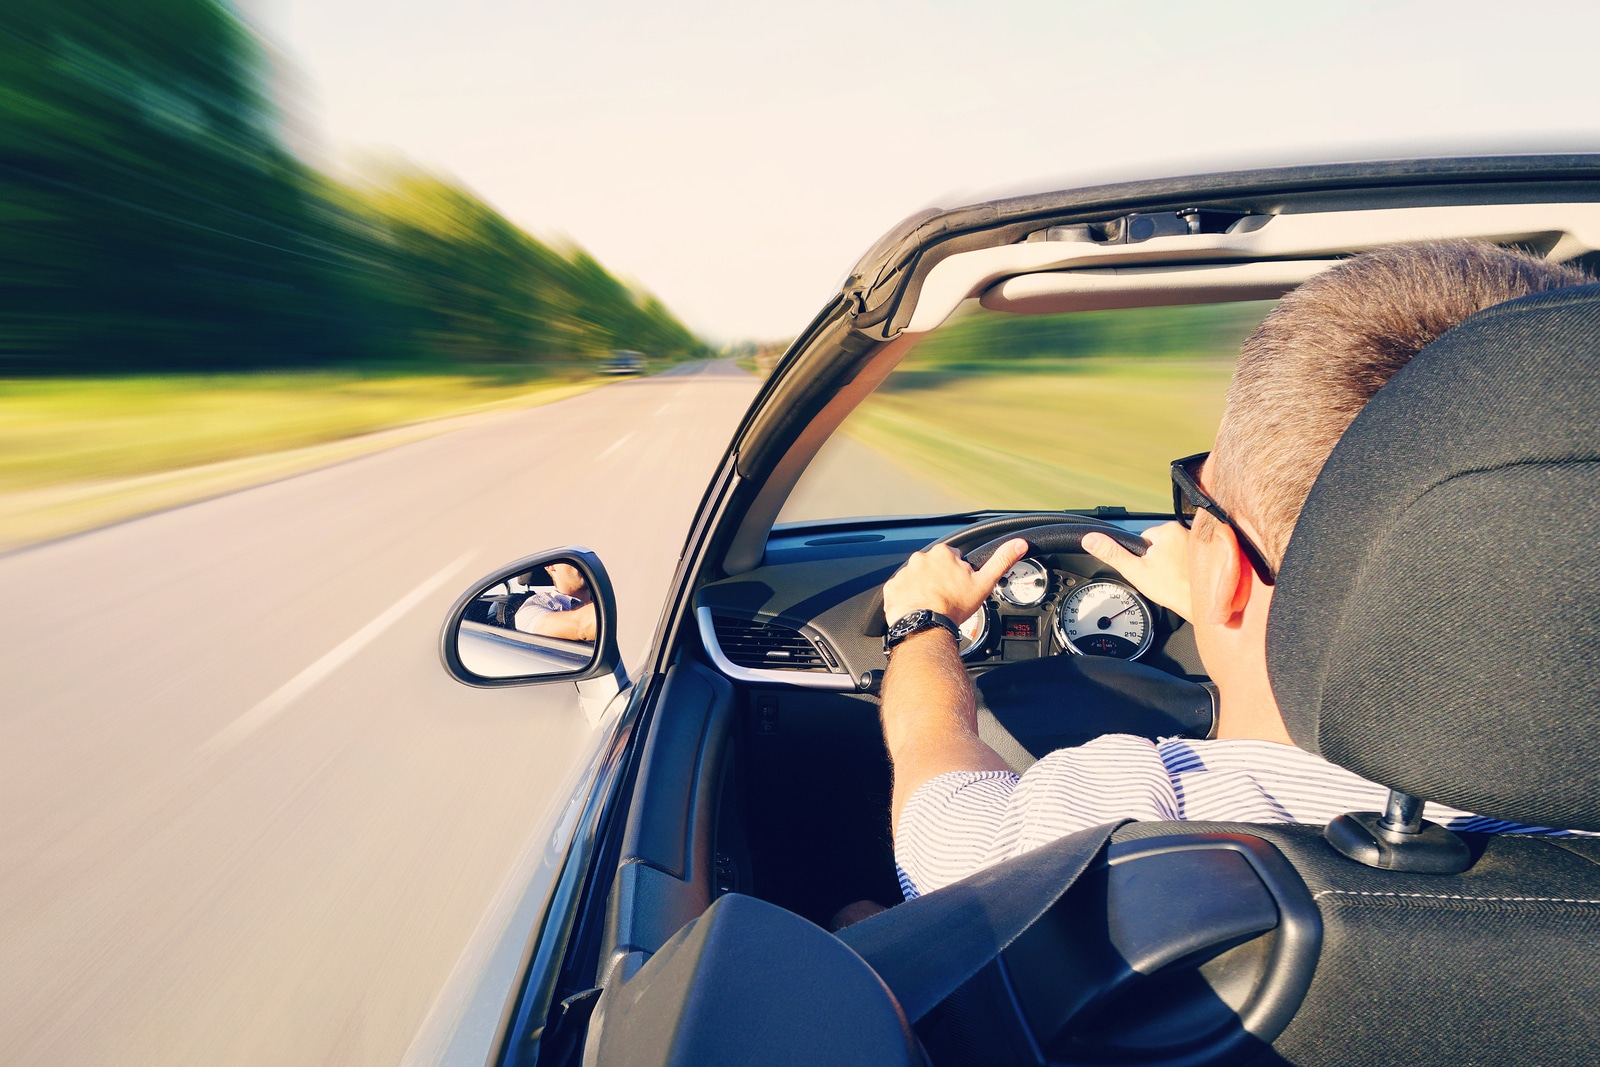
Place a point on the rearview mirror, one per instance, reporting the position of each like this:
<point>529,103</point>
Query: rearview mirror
<point>546,618</point>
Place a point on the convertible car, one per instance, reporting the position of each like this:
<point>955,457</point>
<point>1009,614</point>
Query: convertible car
<point>1028,367</point>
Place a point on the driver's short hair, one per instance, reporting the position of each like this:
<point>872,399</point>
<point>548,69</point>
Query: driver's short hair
<point>1329,345</point>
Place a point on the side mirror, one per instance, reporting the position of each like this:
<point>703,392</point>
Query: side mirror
<point>547,618</point>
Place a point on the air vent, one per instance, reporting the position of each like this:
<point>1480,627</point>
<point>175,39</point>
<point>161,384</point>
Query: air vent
<point>767,646</point>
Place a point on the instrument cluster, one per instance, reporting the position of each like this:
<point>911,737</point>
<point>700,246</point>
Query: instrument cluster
<point>1038,611</point>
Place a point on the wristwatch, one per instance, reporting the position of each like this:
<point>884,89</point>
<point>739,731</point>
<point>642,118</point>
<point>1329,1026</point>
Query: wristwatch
<point>915,622</point>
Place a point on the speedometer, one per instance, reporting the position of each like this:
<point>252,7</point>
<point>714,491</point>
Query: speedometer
<point>975,632</point>
<point>1025,584</point>
<point>1104,618</point>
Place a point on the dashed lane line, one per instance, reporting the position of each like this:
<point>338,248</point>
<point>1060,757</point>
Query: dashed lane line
<point>280,698</point>
<point>618,443</point>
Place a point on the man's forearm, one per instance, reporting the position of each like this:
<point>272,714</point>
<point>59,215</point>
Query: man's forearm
<point>930,717</point>
<point>574,625</point>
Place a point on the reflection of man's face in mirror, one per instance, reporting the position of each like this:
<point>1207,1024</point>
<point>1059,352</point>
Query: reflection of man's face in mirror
<point>569,580</point>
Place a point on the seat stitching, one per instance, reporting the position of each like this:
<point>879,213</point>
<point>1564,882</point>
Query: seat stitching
<point>1452,896</point>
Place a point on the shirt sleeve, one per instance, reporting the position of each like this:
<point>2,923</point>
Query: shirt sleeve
<point>538,605</point>
<point>529,612</point>
<point>964,821</point>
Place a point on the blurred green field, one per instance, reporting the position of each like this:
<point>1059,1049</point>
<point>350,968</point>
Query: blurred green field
<point>60,430</point>
<point>1102,434</point>
<point>76,454</point>
<point>1059,411</point>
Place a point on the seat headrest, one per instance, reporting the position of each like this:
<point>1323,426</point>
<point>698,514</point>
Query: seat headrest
<point>1436,623</point>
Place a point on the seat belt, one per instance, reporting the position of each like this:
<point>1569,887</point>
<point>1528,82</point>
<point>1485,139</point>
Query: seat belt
<point>928,947</point>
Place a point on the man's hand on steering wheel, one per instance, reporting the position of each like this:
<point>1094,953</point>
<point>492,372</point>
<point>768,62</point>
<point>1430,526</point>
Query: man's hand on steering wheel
<point>1161,574</point>
<point>940,580</point>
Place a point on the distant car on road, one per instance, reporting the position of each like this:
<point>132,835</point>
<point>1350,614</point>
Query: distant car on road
<point>623,362</point>
<point>736,804</point>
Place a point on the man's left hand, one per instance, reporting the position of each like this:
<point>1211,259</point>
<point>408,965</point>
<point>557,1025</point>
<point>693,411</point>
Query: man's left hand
<point>940,580</point>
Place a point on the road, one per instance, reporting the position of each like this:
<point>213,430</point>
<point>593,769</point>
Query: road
<point>245,817</point>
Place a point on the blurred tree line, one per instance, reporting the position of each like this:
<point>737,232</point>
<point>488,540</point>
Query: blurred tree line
<point>152,218</point>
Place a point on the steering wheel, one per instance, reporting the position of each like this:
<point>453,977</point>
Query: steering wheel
<point>1044,532</point>
<point>1030,708</point>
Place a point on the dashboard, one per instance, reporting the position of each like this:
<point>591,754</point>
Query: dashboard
<point>812,614</point>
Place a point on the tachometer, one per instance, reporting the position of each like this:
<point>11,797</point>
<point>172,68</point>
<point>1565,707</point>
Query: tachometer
<point>975,632</point>
<point>1025,584</point>
<point>1104,618</point>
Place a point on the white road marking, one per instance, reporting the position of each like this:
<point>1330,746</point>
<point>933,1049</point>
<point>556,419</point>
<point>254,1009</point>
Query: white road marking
<point>618,443</point>
<point>284,695</point>
<point>662,410</point>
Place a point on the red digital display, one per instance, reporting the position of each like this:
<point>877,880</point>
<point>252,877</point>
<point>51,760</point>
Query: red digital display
<point>1019,626</point>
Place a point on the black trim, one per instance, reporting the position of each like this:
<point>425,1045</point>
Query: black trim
<point>1298,943</point>
<point>894,268</point>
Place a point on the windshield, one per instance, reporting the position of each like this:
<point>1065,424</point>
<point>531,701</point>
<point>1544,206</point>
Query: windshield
<point>1034,412</point>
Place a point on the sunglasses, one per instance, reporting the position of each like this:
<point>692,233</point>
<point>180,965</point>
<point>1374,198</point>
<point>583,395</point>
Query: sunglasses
<point>1188,499</point>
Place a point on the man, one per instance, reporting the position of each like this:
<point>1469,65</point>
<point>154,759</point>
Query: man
<point>1301,379</point>
<point>567,613</point>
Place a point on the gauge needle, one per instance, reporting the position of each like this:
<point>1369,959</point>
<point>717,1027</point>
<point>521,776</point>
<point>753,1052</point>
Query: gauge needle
<point>1105,620</point>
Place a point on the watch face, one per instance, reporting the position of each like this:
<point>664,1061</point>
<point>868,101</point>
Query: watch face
<point>909,623</point>
<point>921,619</point>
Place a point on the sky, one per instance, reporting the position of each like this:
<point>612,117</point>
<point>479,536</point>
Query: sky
<point>734,158</point>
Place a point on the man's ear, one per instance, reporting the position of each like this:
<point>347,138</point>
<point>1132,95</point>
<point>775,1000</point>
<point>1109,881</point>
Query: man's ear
<point>1222,590</point>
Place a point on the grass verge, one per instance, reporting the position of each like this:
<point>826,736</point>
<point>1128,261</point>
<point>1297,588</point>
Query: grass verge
<point>80,453</point>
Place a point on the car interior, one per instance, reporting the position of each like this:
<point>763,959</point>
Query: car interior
<point>1433,630</point>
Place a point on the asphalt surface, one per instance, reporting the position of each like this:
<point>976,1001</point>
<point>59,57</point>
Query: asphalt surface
<point>245,817</point>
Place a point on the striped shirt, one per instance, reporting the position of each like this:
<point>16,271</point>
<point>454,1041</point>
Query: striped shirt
<point>964,821</point>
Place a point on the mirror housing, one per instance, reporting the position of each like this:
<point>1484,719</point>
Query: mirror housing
<point>525,624</point>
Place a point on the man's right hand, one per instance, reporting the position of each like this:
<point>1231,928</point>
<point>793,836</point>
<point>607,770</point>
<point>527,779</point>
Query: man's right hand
<point>930,717</point>
<point>1161,574</point>
<point>940,580</point>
